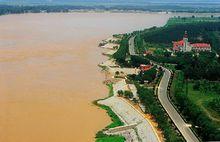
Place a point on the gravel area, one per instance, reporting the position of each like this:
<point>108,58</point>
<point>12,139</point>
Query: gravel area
<point>130,115</point>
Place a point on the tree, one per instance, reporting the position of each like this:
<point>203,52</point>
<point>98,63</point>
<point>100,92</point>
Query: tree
<point>196,85</point>
<point>122,51</point>
<point>167,54</point>
<point>128,94</point>
<point>117,73</point>
<point>120,93</point>
<point>215,105</point>
<point>135,100</point>
<point>149,75</point>
<point>137,60</point>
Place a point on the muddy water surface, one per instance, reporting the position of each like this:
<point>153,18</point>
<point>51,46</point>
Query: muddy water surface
<point>49,74</point>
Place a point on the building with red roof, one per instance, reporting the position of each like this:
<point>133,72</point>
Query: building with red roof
<point>144,67</point>
<point>185,46</point>
<point>177,45</point>
<point>201,47</point>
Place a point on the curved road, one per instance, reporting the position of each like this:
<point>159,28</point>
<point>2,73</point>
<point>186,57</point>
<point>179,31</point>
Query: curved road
<point>174,115</point>
<point>164,100</point>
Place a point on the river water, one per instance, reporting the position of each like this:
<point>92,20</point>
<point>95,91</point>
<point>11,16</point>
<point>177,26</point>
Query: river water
<point>49,74</point>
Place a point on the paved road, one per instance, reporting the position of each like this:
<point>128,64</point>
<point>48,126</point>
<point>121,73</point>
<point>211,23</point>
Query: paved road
<point>174,115</point>
<point>131,46</point>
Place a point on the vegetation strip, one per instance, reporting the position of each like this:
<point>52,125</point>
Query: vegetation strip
<point>193,104</point>
<point>100,136</point>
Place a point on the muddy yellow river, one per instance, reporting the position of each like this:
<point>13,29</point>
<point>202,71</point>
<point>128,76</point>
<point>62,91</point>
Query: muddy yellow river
<point>49,74</point>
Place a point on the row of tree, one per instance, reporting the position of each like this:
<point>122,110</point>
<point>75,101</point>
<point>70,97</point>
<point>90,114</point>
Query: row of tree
<point>206,86</point>
<point>203,66</point>
<point>127,94</point>
<point>5,9</point>
<point>121,54</point>
<point>144,76</point>
<point>153,107</point>
<point>136,61</point>
<point>206,129</point>
<point>215,105</point>
<point>13,9</point>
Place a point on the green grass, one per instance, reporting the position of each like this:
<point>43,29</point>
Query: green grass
<point>202,99</point>
<point>115,120</point>
<point>111,139</point>
<point>100,136</point>
<point>187,20</point>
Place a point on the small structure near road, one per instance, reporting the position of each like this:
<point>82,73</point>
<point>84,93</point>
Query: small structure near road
<point>144,67</point>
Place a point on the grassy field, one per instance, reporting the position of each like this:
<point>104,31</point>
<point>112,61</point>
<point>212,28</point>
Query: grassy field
<point>186,20</point>
<point>111,139</point>
<point>202,99</point>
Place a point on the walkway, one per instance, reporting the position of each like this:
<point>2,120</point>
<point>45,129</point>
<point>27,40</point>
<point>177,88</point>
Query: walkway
<point>130,115</point>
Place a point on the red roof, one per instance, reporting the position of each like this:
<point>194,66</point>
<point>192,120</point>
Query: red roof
<point>201,45</point>
<point>145,67</point>
<point>177,44</point>
<point>196,46</point>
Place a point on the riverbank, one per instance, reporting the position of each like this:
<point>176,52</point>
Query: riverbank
<point>137,125</point>
<point>101,136</point>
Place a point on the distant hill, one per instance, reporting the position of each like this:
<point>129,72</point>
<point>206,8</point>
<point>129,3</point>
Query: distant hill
<point>36,6</point>
<point>104,2</point>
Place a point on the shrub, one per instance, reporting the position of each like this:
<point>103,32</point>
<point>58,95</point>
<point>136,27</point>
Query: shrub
<point>215,104</point>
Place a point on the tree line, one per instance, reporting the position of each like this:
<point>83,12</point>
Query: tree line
<point>6,9</point>
<point>153,107</point>
<point>203,66</point>
<point>204,127</point>
<point>197,32</point>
